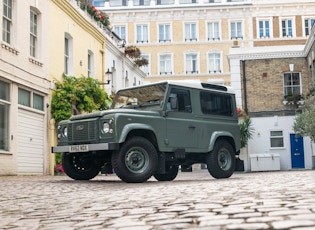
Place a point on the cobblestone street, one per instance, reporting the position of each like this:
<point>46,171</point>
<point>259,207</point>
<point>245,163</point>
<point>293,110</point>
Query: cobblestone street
<point>269,200</point>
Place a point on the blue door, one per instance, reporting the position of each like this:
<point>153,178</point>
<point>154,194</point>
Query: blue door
<point>297,151</point>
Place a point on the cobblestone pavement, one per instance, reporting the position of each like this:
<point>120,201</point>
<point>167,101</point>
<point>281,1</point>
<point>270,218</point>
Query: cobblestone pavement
<point>268,200</point>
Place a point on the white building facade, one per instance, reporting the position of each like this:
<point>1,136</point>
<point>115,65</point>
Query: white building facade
<point>24,87</point>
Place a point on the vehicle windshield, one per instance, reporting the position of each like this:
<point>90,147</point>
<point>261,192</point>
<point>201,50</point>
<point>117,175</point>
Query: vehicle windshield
<point>140,97</point>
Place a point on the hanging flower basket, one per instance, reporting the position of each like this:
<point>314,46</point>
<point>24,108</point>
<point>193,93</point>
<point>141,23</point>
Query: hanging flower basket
<point>132,52</point>
<point>142,62</point>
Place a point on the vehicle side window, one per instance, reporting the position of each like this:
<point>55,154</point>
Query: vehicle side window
<point>216,103</point>
<point>179,100</point>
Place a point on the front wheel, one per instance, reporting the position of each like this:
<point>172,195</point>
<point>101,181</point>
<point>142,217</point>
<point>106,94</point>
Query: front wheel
<point>80,166</point>
<point>221,161</point>
<point>136,161</point>
<point>169,175</point>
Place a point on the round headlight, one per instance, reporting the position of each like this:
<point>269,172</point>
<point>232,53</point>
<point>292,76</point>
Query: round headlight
<point>65,132</point>
<point>105,127</point>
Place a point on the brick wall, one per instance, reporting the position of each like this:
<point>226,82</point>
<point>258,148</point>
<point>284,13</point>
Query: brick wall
<point>264,83</point>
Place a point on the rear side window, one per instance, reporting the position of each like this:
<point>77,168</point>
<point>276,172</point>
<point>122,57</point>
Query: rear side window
<point>216,103</point>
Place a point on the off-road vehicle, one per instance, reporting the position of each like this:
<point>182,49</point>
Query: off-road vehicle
<point>152,130</point>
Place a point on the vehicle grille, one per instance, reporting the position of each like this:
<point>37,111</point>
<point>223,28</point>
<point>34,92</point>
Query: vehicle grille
<point>85,132</point>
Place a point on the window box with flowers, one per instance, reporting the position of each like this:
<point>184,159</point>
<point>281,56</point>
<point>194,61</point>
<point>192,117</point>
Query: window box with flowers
<point>96,14</point>
<point>293,99</point>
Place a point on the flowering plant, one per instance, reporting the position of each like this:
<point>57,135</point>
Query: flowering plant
<point>59,168</point>
<point>132,52</point>
<point>142,61</point>
<point>96,14</point>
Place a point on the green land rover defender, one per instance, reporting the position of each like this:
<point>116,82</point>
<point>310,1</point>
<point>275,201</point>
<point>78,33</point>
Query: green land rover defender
<point>152,130</point>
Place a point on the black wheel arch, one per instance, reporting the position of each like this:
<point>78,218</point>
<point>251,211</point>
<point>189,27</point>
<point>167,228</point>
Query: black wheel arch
<point>145,133</point>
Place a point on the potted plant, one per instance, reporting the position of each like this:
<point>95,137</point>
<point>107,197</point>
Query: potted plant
<point>132,52</point>
<point>142,62</point>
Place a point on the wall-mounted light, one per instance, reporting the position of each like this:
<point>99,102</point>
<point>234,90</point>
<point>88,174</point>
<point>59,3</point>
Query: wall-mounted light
<point>109,76</point>
<point>291,66</point>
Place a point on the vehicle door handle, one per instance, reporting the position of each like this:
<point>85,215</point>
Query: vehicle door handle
<point>191,126</point>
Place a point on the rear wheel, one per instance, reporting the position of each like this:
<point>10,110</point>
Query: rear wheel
<point>80,166</point>
<point>136,161</point>
<point>169,175</point>
<point>221,161</point>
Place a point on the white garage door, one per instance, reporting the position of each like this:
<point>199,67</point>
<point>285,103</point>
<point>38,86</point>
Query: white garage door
<point>30,146</point>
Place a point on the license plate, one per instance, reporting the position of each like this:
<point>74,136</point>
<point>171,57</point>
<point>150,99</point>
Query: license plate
<point>78,148</point>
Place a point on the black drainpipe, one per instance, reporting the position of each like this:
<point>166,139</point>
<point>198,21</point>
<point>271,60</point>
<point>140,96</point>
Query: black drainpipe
<point>244,85</point>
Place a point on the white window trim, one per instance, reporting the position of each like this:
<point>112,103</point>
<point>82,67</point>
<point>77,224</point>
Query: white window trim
<point>221,60</point>
<point>158,32</point>
<point>122,25</point>
<point>293,26</point>
<point>197,59</point>
<point>172,62</point>
<point>70,58</point>
<point>230,29</point>
<point>270,24</point>
<point>276,130</point>
<point>207,32</point>
<point>303,24</point>
<point>300,80</point>
<point>91,69</point>
<point>197,31</point>
<point>142,24</point>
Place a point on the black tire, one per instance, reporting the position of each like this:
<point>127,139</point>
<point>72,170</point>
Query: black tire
<point>221,161</point>
<point>80,166</point>
<point>136,161</point>
<point>171,174</point>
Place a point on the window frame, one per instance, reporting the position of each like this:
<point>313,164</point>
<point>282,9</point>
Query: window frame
<point>190,34</point>
<point>216,63</point>
<point>143,37</point>
<point>31,99</point>
<point>211,30</point>
<point>286,20</point>
<point>287,87</point>
<point>258,28</point>
<point>276,137</point>
<point>163,37</point>
<point>167,58</point>
<point>5,107</point>
<point>68,54</point>
<point>118,31</point>
<point>307,28</point>
<point>190,66</point>
<point>237,30</point>
<point>90,64</point>
<point>33,33</point>
<point>7,21</point>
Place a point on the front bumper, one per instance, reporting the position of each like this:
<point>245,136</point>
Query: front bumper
<point>84,148</point>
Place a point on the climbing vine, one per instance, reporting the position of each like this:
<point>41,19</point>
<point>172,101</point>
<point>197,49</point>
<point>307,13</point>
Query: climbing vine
<point>77,95</point>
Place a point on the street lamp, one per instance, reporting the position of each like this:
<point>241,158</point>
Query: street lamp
<point>109,75</point>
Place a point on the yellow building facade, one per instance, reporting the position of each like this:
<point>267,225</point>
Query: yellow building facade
<point>191,39</point>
